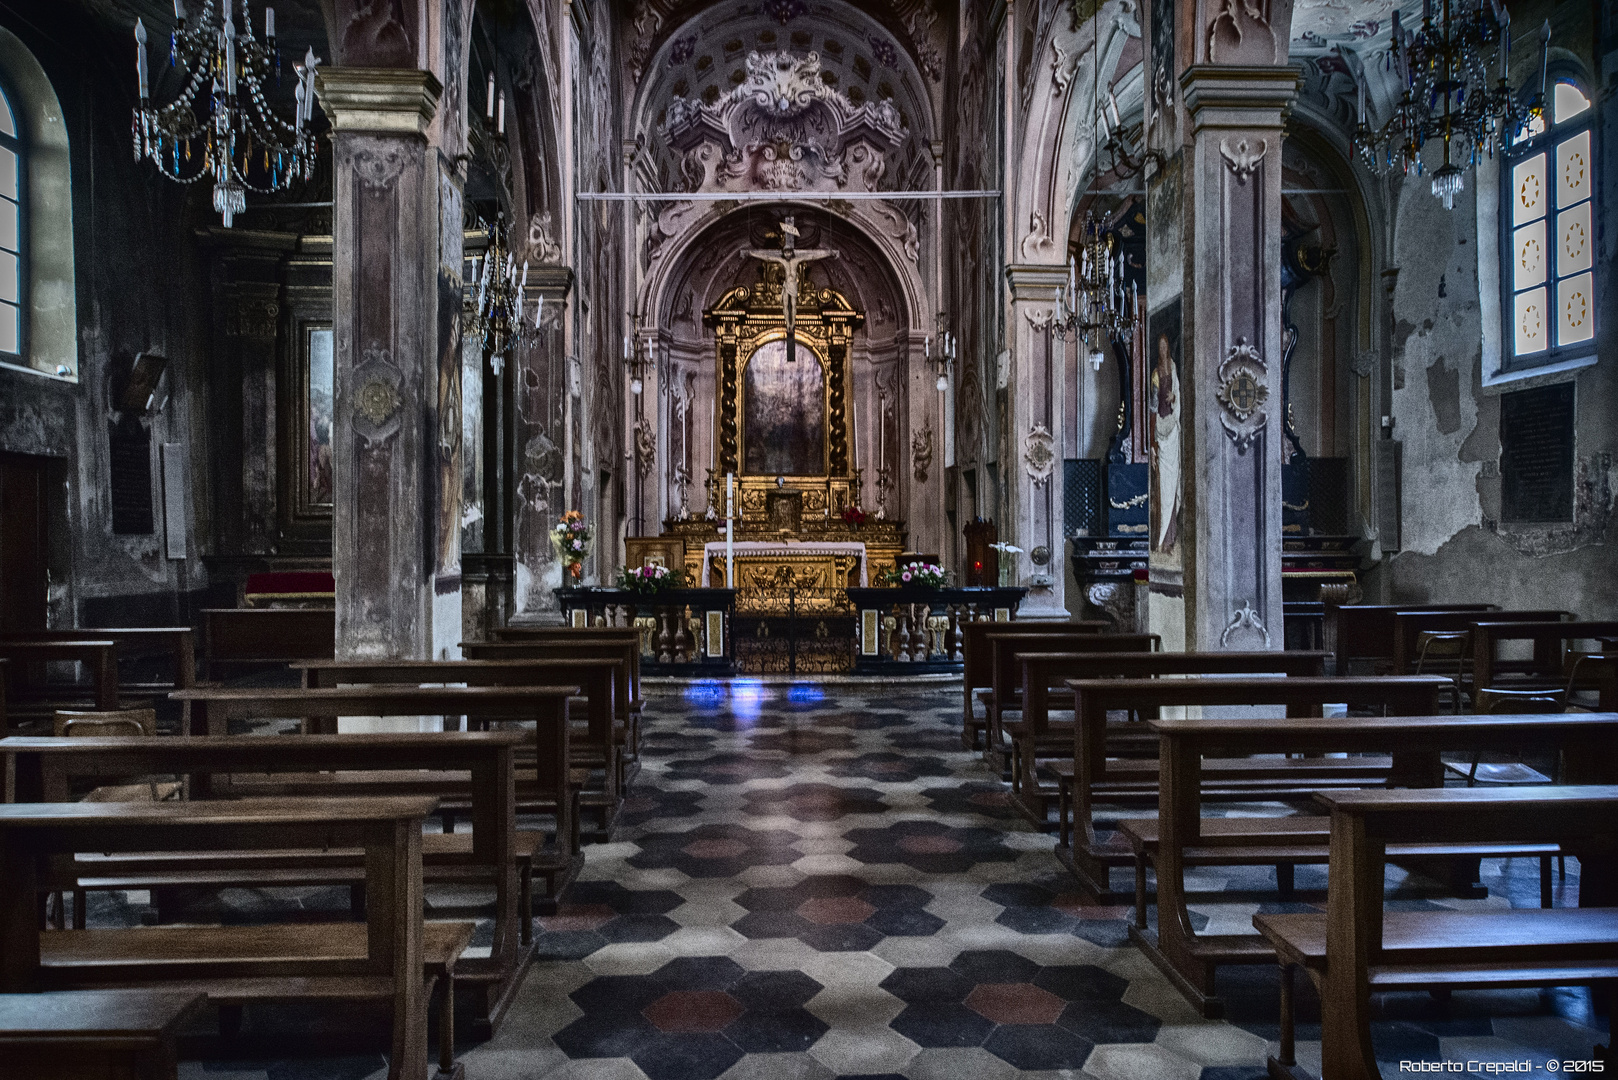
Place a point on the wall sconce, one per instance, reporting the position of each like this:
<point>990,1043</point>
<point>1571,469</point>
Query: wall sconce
<point>635,364</point>
<point>946,356</point>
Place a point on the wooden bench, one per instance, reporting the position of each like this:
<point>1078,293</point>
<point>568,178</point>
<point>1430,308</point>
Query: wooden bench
<point>32,700</point>
<point>393,957</point>
<point>1183,839</point>
<point>1097,777</point>
<point>977,662</point>
<point>1365,631</point>
<point>626,690</point>
<point>75,1034</point>
<point>175,645</point>
<point>241,640</point>
<point>1408,626</point>
<point>1005,675</point>
<point>1355,949</point>
<point>1035,737</point>
<point>490,982</point>
<point>1552,663</point>
<point>595,746</point>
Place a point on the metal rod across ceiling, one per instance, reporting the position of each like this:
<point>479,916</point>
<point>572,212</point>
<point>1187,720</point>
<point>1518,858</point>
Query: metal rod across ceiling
<point>775,196</point>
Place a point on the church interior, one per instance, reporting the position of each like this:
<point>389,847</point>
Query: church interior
<point>808,539</point>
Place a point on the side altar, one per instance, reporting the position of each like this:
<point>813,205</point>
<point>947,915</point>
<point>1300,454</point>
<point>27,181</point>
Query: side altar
<point>781,459</point>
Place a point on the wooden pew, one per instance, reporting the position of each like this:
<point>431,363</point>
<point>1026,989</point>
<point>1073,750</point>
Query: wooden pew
<point>1005,674</point>
<point>490,983</point>
<point>74,1034</point>
<point>1356,949</point>
<point>977,661</point>
<point>1365,631</point>
<point>175,644</point>
<point>393,957</point>
<point>1184,838</point>
<point>28,702</point>
<point>1549,667</point>
<point>575,635</point>
<point>1096,778</point>
<point>626,694</point>
<point>1036,737</point>
<point>238,640</point>
<point>1408,626</point>
<point>596,676</point>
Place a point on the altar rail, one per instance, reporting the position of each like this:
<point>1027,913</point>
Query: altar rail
<point>920,628</point>
<point>682,631</point>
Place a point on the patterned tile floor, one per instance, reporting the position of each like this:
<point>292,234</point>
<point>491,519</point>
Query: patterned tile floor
<point>816,882</point>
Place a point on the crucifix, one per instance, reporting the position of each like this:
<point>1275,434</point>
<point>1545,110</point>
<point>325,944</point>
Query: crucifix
<point>789,258</point>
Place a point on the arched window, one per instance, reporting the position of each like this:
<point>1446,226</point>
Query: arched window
<point>13,177</point>
<point>1548,236</point>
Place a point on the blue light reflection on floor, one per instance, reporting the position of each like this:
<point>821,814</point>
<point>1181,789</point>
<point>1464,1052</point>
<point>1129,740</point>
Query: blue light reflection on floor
<point>747,696</point>
<point>805,692</point>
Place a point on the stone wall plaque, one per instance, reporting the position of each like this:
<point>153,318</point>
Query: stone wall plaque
<point>129,460</point>
<point>1536,454</point>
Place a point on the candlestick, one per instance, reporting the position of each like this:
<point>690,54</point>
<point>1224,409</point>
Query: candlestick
<point>140,56</point>
<point>730,530</point>
<point>1544,56</point>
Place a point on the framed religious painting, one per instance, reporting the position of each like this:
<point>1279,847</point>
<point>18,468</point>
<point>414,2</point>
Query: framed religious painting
<point>307,398</point>
<point>783,411</point>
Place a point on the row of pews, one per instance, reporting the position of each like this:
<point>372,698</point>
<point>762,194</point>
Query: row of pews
<point>1118,748</point>
<point>539,743</point>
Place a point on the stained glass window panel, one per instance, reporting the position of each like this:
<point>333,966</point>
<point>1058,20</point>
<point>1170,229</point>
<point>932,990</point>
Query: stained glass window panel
<point>1575,310</point>
<point>10,329</point>
<point>8,225</point>
<point>8,174</point>
<point>1529,242</point>
<point>1568,102</point>
<point>1531,331</point>
<point>1575,244</point>
<point>1573,169</point>
<point>1528,189</point>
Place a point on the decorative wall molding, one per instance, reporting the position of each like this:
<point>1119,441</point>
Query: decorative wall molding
<point>1242,159</point>
<point>1039,453</point>
<point>1038,241</point>
<point>1061,72</point>
<point>1244,619</point>
<point>543,249</point>
<point>921,452</point>
<point>1039,318</point>
<point>1242,392</point>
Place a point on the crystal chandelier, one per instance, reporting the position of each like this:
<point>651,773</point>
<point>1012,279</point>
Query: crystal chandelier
<point>1096,306</point>
<point>244,146</point>
<point>496,299</point>
<point>1448,96</point>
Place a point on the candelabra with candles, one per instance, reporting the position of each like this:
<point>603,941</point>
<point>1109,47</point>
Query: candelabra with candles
<point>1447,94</point>
<point>1097,305</point>
<point>244,145</point>
<point>496,305</point>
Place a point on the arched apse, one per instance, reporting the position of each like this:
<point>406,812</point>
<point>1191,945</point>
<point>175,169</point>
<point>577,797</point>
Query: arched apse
<point>885,371</point>
<point>1057,119</point>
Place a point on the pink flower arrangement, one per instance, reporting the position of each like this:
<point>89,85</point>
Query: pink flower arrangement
<point>651,578</point>
<point>930,575</point>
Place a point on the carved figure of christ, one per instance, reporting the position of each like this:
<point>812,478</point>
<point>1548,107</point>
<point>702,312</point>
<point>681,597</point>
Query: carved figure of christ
<point>789,259</point>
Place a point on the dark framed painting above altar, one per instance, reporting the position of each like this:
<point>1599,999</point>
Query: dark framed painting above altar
<point>783,408</point>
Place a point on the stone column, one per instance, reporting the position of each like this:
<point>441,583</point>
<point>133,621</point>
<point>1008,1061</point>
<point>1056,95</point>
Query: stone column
<point>1231,369</point>
<point>386,527</point>
<point>1031,465</point>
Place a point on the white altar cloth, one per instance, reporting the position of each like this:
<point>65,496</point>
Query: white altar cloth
<point>755,548</point>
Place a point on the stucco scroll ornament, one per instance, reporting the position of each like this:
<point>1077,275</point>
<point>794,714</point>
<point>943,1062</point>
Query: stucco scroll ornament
<point>1246,622</point>
<point>1242,392</point>
<point>1242,32</point>
<point>921,452</point>
<point>378,397</point>
<point>1039,453</point>
<point>645,446</point>
<point>1039,318</point>
<point>1061,73</point>
<point>378,169</point>
<point>1242,158</point>
<point>1038,239</point>
<point>542,246</point>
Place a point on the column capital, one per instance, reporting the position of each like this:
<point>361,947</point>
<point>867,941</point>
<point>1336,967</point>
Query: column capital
<point>1231,96</point>
<point>395,101</point>
<point>1036,282</point>
<point>554,282</point>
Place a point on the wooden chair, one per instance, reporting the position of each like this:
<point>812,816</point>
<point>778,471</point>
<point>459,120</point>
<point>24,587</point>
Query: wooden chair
<point>86,723</point>
<point>1439,649</point>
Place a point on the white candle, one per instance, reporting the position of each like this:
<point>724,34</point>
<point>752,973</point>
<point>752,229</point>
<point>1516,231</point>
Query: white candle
<point>179,10</point>
<point>140,56</point>
<point>269,22</point>
<point>1360,83</point>
<point>501,125</point>
<point>229,34</point>
<point>539,310</point>
<point>488,110</point>
<point>297,93</point>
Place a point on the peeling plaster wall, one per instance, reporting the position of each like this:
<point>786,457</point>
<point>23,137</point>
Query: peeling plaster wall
<point>1454,545</point>
<point>125,221</point>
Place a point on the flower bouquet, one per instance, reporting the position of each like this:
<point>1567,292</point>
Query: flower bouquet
<point>651,578</point>
<point>1008,562</point>
<point>853,516</point>
<point>928,575</point>
<point>572,539</point>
